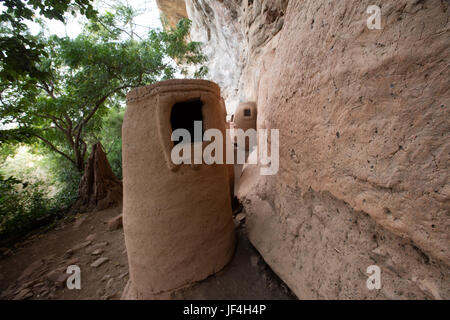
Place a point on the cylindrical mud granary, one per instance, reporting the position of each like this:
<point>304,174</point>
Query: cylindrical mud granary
<point>177,218</point>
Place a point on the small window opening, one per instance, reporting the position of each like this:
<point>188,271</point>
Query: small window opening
<point>247,113</point>
<point>183,116</point>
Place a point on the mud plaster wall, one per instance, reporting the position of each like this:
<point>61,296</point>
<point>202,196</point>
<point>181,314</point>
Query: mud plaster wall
<point>364,140</point>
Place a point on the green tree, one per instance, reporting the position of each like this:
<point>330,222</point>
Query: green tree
<point>21,204</point>
<point>111,138</point>
<point>20,52</point>
<point>86,74</point>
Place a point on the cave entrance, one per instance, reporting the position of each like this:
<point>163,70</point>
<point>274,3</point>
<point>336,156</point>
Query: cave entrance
<point>183,116</point>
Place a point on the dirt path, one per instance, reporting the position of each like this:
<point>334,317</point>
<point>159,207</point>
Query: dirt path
<point>36,268</point>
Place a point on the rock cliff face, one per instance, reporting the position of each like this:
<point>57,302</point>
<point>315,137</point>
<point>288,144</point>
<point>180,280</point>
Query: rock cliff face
<point>171,11</point>
<point>364,138</point>
<point>236,34</point>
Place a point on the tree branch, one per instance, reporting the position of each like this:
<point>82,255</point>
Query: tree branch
<point>52,146</point>
<point>97,105</point>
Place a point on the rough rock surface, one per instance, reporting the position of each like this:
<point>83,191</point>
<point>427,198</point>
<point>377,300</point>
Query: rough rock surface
<point>97,263</point>
<point>235,33</point>
<point>115,223</point>
<point>364,138</point>
<point>364,150</point>
<point>171,11</point>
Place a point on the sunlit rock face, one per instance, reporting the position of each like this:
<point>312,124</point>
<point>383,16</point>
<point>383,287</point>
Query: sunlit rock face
<point>235,34</point>
<point>171,11</point>
<point>364,139</point>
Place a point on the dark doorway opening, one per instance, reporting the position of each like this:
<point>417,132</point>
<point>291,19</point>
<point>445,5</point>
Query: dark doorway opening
<point>183,116</point>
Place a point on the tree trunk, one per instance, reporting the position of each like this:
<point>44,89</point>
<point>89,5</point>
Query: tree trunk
<point>99,188</point>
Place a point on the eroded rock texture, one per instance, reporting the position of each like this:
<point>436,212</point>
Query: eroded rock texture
<point>171,11</point>
<point>364,138</point>
<point>235,32</point>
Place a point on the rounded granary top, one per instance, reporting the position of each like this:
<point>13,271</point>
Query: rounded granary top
<point>173,85</point>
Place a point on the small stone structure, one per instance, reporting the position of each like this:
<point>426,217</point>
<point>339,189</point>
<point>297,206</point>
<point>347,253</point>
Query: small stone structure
<point>177,218</point>
<point>245,116</point>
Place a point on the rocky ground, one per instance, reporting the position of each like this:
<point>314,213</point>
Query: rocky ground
<point>36,267</point>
